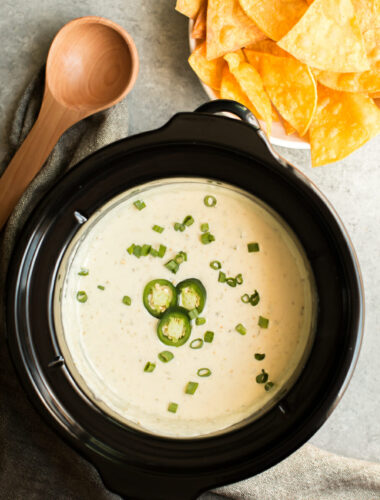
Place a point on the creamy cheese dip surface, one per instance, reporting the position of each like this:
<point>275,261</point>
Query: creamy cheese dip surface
<point>107,343</point>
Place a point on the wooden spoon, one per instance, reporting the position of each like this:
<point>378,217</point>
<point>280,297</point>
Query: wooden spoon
<point>92,64</point>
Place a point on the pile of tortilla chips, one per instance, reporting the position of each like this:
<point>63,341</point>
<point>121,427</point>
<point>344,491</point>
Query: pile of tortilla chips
<point>313,64</point>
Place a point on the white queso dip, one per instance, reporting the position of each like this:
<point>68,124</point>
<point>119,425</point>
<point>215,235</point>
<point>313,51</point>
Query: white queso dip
<point>185,307</point>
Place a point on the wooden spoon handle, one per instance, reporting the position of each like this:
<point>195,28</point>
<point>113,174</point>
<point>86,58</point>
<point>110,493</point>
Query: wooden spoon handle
<point>52,121</point>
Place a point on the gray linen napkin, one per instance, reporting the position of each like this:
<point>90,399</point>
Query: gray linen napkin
<point>34,462</point>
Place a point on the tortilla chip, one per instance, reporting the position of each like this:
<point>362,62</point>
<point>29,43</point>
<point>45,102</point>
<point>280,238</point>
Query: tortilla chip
<point>189,8</point>
<point>342,123</point>
<point>328,37</point>
<point>199,28</point>
<point>291,88</point>
<point>368,81</point>
<point>376,95</point>
<point>268,46</point>
<point>250,82</point>
<point>289,129</point>
<point>368,16</point>
<point>274,17</point>
<point>230,89</point>
<point>228,28</point>
<point>210,72</point>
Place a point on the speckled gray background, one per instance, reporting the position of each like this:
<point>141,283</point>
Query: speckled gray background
<point>166,85</point>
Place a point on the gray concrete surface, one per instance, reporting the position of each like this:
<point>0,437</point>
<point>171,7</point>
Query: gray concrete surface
<point>167,85</point>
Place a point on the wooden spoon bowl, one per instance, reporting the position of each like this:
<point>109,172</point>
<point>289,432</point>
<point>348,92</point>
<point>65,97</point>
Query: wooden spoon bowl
<point>92,64</point>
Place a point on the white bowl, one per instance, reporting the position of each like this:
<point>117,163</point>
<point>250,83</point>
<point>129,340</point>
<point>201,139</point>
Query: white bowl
<point>278,136</point>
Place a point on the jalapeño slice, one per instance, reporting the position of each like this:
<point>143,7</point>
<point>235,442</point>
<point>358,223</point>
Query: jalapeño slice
<point>191,294</point>
<point>158,296</point>
<point>174,327</point>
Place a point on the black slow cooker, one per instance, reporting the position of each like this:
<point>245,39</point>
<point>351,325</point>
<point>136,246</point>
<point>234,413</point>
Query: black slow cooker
<point>133,463</point>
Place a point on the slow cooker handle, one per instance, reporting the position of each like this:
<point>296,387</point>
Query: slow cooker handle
<point>228,106</point>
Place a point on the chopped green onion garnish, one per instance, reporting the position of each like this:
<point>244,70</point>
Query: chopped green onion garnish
<point>153,252</point>
<point>145,249</point>
<point>231,282</point>
<point>253,247</point>
<point>179,227</point>
<point>139,204</point>
<point>161,251</point>
<point>215,264</point>
<point>137,251</point>
<point>263,322</point>
<point>209,201</point>
<point>200,321</point>
<point>191,387</point>
<point>207,238</point>
<point>262,378</point>
<point>165,356</point>
<point>268,386</point>
<point>204,227</point>
<point>222,277</point>
<point>173,407</point>
<point>204,372</point>
<point>254,298</point>
<point>196,344</point>
<point>83,272</point>
<point>82,296</point>
<point>158,229</point>
<point>193,313</point>
<point>239,279</point>
<point>101,287</point>
<point>172,266</point>
<point>188,220</point>
<point>245,298</point>
<point>241,329</point>
<point>149,367</point>
<point>209,336</point>
<point>127,300</point>
<point>130,249</point>
<point>259,356</point>
<point>180,257</point>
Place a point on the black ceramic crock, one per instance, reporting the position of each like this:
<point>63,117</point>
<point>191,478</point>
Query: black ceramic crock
<point>136,464</point>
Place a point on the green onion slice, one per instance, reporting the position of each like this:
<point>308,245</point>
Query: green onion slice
<point>158,229</point>
<point>254,298</point>
<point>139,204</point>
<point>153,252</point>
<point>165,356</point>
<point>263,322</point>
<point>83,272</point>
<point>262,378</point>
<point>204,372</point>
<point>209,201</point>
<point>268,386</point>
<point>188,220</point>
<point>127,300</point>
<point>161,251</point>
<point>215,264</point>
<point>149,367</point>
<point>231,282</point>
<point>222,277</point>
<point>245,298</point>
<point>209,336</point>
<point>172,266</point>
<point>101,287</point>
<point>205,227</point>
<point>82,296</point>
<point>241,329</point>
<point>145,249</point>
<point>200,321</point>
<point>179,227</point>
<point>196,344</point>
<point>253,247</point>
<point>207,238</point>
<point>239,279</point>
<point>137,251</point>
<point>173,407</point>
<point>130,249</point>
<point>259,356</point>
<point>191,387</point>
<point>181,257</point>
